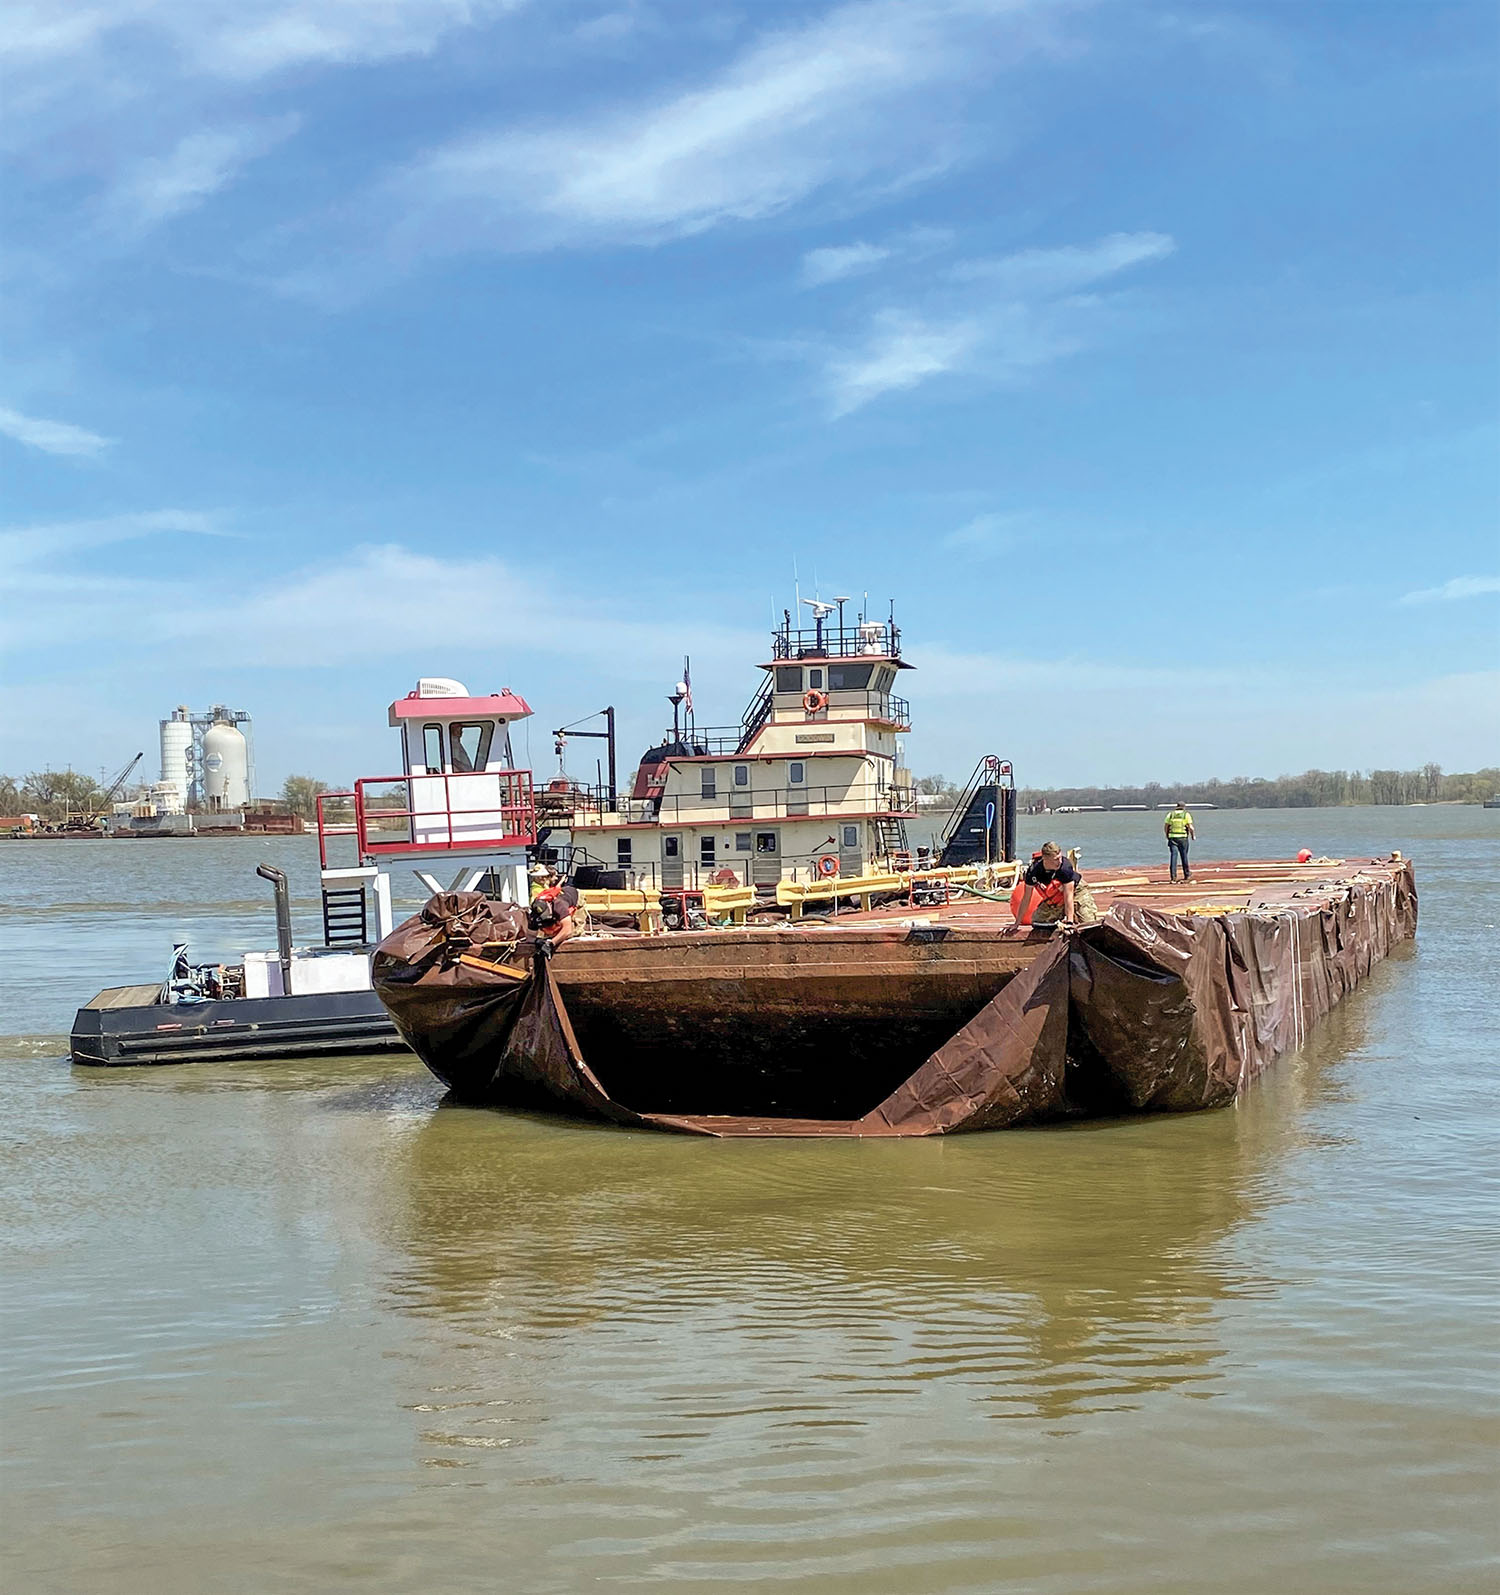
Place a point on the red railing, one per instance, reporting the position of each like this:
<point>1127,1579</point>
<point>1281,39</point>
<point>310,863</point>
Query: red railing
<point>503,814</point>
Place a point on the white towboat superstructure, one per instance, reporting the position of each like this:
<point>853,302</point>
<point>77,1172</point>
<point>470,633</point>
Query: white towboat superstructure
<point>811,781</point>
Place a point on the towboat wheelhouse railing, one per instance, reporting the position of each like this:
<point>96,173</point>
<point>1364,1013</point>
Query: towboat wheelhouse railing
<point>833,640</point>
<point>480,811</point>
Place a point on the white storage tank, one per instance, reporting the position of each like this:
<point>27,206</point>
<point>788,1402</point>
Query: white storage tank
<point>177,755</point>
<point>226,767</point>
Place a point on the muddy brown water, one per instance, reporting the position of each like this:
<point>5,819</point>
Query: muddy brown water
<point>300,1326</point>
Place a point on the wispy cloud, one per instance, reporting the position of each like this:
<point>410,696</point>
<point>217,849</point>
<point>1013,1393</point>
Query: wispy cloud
<point>997,318</point>
<point>48,544</point>
<point>52,437</point>
<point>900,351</point>
<point>800,110</point>
<point>230,39</point>
<point>985,536</point>
<point>1458,587</point>
<point>160,187</point>
<point>838,261</point>
<point>1032,273</point>
<point>835,262</point>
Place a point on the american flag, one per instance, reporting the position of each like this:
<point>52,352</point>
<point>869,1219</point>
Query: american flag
<point>687,684</point>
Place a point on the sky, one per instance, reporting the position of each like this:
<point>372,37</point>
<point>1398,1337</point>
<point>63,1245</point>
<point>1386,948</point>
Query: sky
<point>1145,356</point>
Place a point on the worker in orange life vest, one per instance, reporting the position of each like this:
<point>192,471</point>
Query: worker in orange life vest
<point>555,910</point>
<point>1048,889</point>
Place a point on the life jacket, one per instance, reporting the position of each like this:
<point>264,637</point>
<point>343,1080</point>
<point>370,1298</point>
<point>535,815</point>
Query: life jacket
<point>1052,894</point>
<point>550,910</point>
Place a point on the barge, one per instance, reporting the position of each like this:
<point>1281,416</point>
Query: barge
<point>889,1022</point>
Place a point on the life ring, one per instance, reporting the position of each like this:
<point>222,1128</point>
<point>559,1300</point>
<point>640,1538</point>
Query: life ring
<point>828,865</point>
<point>813,700</point>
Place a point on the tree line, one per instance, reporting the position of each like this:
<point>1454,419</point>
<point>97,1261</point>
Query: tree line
<point>61,794</point>
<point>1313,789</point>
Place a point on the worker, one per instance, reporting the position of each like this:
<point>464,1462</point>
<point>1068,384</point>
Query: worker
<point>1179,829</point>
<point>1053,879</point>
<point>556,912</point>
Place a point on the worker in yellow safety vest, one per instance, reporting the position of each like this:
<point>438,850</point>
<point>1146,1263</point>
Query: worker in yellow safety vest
<point>1180,832</point>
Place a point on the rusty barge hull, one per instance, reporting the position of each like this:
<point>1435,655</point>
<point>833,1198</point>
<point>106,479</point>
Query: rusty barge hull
<point>887,1023</point>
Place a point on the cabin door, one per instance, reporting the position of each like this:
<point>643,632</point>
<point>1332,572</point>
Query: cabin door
<point>671,861</point>
<point>766,870</point>
<point>851,853</point>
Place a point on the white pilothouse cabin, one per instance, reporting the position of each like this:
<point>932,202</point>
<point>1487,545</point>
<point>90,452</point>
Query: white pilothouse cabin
<point>810,782</point>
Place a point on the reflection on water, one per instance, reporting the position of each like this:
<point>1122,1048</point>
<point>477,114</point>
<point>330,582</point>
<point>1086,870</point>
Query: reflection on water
<point>299,1326</point>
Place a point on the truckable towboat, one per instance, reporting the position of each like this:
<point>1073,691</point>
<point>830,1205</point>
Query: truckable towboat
<point>458,799</point>
<point>829,979</point>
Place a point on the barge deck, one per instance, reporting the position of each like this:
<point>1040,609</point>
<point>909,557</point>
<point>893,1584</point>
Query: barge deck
<point>897,1021</point>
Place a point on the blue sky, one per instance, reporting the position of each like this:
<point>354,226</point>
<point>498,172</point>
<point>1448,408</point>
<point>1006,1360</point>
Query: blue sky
<point>1145,355</point>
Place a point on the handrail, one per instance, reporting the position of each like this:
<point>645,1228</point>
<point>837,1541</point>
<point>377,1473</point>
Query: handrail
<point>514,807</point>
<point>987,772</point>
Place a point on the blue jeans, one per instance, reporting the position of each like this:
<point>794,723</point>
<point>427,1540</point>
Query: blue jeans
<point>1178,845</point>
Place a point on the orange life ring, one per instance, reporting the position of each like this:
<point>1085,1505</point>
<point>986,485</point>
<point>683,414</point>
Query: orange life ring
<point>828,865</point>
<point>813,700</point>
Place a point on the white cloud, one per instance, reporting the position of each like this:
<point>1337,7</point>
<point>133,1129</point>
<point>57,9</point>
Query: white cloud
<point>280,644</point>
<point>52,437</point>
<point>900,351</point>
<point>834,263</point>
<point>998,319</point>
<point>986,535</point>
<point>236,39</point>
<point>27,549</point>
<point>798,111</point>
<point>1034,273</point>
<point>198,166</point>
<point>1457,587</point>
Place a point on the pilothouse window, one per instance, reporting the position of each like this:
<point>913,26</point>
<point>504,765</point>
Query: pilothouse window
<point>845,678</point>
<point>469,744</point>
<point>432,747</point>
<point>789,678</point>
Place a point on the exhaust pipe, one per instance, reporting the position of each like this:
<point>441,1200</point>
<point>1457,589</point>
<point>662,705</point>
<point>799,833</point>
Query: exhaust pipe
<point>277,878</point>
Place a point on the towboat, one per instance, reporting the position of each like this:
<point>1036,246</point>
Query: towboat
<point>459,798</point>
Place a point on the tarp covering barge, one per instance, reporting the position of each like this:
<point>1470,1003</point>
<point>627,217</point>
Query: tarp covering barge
<point>882,1024</point>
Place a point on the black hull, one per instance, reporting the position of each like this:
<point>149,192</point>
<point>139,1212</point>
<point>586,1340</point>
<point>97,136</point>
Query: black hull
<point>246,1028</point>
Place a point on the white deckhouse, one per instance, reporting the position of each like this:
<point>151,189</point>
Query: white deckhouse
<point>810,782</point>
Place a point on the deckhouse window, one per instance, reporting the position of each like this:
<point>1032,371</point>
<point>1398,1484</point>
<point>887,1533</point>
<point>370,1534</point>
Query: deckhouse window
<point>796,772</point>
<point>622,852</point>
<point>742,841</point>
<point>706,855</point>
<point>710,787</point>
<point>789,678</point>
<point>851,836</point>
<point>742,775</point>
<point>432,747</point>
<point>846,678</point>
<point>469,744</point>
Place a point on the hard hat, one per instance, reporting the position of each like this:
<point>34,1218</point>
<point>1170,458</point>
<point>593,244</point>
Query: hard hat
<point>538,872</point>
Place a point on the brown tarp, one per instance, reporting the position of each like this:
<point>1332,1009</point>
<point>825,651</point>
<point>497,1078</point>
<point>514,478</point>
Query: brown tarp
<point>1147,1010</point>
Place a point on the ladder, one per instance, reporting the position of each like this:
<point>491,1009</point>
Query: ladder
<point>344,917</point>
<point>890,834</point>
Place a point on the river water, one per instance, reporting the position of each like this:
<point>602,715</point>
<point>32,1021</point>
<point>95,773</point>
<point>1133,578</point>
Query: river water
<point>301,1327</point>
